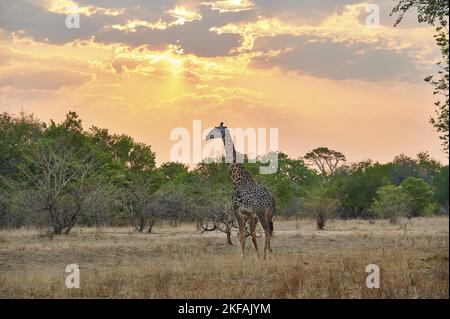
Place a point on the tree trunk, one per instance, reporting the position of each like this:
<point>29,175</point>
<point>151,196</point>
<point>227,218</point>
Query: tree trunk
<point>140,224</point>
<point>72,222</point>
<point>57,229</point>
<point>229,242</point>
<point>151,223</point>
<point>320,220</point>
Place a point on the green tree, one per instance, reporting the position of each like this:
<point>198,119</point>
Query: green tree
<point>296,170</point>
<point>392,202</point>
<point>141,157</point>
<point>139,199</point>
<point>170,170</point>
<point>216,172</point>
<point>441,188</point>
<point>18,134</point>
<point>325,160</point>
<point>135,156</point>
<point>356,187</point>
<point>420,193</point>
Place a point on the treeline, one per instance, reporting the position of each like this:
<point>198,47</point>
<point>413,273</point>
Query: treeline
<point>58,175</point>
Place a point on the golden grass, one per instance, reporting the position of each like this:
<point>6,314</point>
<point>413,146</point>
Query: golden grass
<point>180,263</point>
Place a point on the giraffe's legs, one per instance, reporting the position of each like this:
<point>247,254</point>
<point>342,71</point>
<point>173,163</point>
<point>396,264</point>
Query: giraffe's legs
<point>252,221</point>
<point>270,227</point>
<point>269,247</point>
<point>241,222</point>
<point>267,232</point>
<point>266,241</point>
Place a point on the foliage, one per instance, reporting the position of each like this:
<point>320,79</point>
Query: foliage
<point>441,188</point>
<point>356,187</point>
<point>392,202</point>
<point>420,193</point>
<point>326,160</point>
<point>57,175</point>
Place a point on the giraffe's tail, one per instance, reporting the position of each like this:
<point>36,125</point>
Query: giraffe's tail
<point>270,228</point>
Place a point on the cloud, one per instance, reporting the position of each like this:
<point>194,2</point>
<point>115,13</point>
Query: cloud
<point>193,37</point>
<point>230,5</point>
<point>236,32</point>
<point>342,46</point>
<point>157,23</point>
<point>67,7</point>
<point>183,15</point>
<point>179,16</point>
<point>44,80</point>
<point>173,63</point>
<point>340,27</point>
<point>340,61</point>
<point>43,25</point>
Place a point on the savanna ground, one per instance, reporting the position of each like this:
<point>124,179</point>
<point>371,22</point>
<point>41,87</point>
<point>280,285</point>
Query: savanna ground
<point>182,263</point>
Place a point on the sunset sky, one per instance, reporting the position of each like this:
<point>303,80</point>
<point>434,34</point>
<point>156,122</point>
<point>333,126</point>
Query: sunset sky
<point>312,69</point>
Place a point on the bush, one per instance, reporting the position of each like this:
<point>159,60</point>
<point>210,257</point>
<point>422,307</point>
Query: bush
<point>320,204</point>
<point>420,193</point>
<point>392,202</point>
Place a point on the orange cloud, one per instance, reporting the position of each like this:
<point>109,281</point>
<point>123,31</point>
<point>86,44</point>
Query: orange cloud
<point>230,5</point>
<point>69,7</point>
<point>179,13</point>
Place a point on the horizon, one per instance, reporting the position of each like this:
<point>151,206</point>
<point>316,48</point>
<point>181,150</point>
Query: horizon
<point>192,165</point>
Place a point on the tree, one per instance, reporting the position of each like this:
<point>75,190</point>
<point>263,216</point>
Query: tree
<point>434,12</point>
<point>135,156</point>
<point>423,166</point>
<point>139,200</point>
<point>428,167</point>
<point>220,219</point>
<point>326,160</point>
<point>170,170</point>
<point>441,188</point>
<point>402,167</point>
<point>392,202</point>
<point>296,170</point>
<point>356,187</point>
<point>441,88</point>
<point>98,199</point>
<point>420,193</point>
<point>213,172</point>
<point>55,178</point>
<point>319,203</point>
<point>73,123</point>
<point>174,203</point>
<point>18,134</point>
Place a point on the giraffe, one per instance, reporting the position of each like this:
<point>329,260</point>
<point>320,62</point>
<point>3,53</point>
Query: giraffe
<point>250,201</point>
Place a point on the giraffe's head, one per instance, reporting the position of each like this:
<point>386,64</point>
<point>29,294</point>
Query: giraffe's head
<point>217,132</point>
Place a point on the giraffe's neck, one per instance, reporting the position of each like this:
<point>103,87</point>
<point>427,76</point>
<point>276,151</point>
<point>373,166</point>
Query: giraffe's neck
<point>239,175</point>
<point>230,151</point>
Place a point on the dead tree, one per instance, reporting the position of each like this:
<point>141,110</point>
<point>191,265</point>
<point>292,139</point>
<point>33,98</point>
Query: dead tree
<point>222,220</point>
<point>171,207</point>
<point>54,179</point>
<point>138,202</point>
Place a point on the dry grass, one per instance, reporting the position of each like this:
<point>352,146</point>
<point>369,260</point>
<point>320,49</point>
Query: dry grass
<point>180,263</point>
